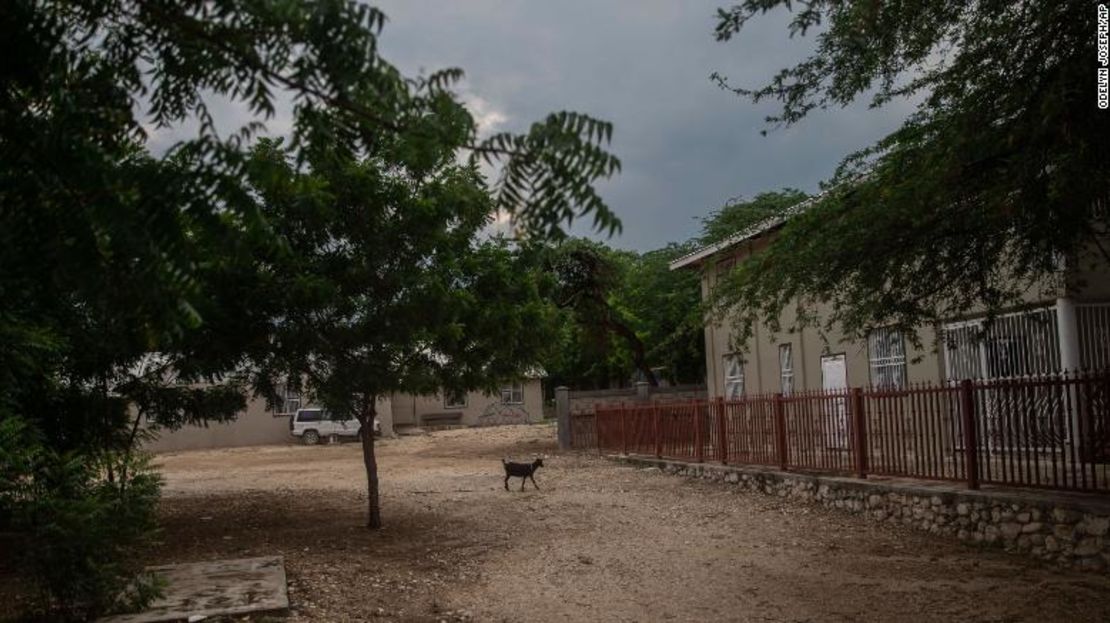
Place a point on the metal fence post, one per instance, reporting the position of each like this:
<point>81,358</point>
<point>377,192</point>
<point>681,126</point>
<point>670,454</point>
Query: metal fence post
<point>624,430</point>
<point>699,431</point>
<point>564,418</point>
<point>655,430</point>
<point>597,431</point>
<point>971,443</point>
<point>860,424</point>
<point>722,431</point>
<point>780,431</point>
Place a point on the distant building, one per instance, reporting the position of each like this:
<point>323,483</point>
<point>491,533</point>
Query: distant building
<point>519,402</point>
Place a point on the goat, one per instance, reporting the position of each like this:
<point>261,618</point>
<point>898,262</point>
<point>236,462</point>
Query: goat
<point>524,471</point>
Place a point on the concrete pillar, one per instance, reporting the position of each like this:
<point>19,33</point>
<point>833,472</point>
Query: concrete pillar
<point>1068,333</point>
<point>562,416</point>
<point>643,391</point>
<point>1068,328</point>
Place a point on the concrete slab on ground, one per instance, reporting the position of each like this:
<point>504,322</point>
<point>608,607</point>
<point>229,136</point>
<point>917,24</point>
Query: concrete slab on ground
<point>216,588</point>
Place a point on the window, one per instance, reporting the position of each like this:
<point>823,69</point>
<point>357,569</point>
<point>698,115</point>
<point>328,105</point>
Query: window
<point>310,415</point>
<point>786,368</point>
<point>886,354</point>
<point>1094,336</point>
<point>1013,345</point>
<point>289,401</point>
<point>734,377</point>
<point>513,394</point>
<point>454,399</point>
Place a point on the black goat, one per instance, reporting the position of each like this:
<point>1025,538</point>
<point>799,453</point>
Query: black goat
<point>524,471</point>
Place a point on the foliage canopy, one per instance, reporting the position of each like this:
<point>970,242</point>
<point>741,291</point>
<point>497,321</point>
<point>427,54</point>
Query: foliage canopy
<point>110,254</point>
<point>1002,170</point>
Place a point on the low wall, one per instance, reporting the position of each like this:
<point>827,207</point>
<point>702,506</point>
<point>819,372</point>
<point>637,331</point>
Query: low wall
<point>587,401</point>
<point>1068,529</point>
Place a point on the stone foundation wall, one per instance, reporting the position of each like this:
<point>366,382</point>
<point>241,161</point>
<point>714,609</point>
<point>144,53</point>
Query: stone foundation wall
<point>1064,528</point>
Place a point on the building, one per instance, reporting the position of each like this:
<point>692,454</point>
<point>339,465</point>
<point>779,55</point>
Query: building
<point>1061,324</point>
<point>516,403</point>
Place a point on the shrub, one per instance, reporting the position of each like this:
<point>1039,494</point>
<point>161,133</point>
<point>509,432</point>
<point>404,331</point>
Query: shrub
<point>79,525</point>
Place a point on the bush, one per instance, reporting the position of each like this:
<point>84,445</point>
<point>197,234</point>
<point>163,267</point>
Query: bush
<point>79,524</point>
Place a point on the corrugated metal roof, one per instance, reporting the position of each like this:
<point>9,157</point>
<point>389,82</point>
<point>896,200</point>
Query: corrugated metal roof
<point>758,229</point>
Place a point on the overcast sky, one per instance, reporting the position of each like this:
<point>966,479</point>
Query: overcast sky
<point>686,145</point>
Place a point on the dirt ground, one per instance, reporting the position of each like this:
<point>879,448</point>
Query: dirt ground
<point>598,542</point>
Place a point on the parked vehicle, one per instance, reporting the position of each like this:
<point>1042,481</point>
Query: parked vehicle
<point>313,424</point>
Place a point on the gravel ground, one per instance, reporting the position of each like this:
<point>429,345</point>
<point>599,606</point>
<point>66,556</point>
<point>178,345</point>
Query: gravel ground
<point>598,542</point>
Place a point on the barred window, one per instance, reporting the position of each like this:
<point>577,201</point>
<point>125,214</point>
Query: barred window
<point>734,377</point>
<point>886,353</point>
<point>1013,345</point>
<point>786,368</point>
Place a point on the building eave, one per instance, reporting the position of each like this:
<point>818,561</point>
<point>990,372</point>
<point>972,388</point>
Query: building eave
<point>698,256</point>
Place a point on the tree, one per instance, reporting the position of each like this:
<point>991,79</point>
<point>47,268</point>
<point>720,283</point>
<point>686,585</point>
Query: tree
<point>587,274</point>
<point>389,288</point>
<point>740,214</point>
<point>111,254</point>
<point>624,312</point>
<point>665,308</point>
<point>1000,172</point>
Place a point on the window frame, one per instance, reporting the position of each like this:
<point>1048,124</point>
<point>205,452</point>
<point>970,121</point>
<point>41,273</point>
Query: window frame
<point>320,415</point>
<point>736,379</point>
<point>447,395</point>
<point>1020,344</point>
<point>786,373</point>
<point>887,370</point>
<point>514,389</point>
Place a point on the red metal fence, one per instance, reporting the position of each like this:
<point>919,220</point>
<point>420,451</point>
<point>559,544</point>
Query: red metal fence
<point>1050,432</point>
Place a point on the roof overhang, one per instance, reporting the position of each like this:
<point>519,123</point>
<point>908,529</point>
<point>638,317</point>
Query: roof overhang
<point>697,257</point>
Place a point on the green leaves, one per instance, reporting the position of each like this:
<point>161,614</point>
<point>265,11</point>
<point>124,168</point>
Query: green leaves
<point>347,240</point>
<point>548,175</point>
<point>624,313</point>
<point>740,215</point>
<point>979,194</point>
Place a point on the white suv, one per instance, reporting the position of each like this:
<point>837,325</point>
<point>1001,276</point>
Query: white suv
<point>312,424</point>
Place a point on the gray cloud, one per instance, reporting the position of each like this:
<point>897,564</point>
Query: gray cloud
<point>687,146</point>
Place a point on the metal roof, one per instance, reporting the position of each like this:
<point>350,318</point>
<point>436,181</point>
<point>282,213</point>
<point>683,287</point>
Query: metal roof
<point>758,229</point>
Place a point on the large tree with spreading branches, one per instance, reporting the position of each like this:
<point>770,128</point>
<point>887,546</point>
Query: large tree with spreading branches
<point>110,254</point>
<point>1000,174</point>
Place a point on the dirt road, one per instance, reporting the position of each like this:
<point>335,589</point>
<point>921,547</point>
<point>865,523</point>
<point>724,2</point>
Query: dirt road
<point>598,542</point>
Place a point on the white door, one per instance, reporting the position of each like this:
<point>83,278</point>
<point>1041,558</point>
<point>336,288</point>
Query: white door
<point>834,378</point>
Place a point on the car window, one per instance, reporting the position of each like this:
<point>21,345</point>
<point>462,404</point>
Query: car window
<point>309,415</point>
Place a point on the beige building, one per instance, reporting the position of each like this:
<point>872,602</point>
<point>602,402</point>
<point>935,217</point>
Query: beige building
<point>1063,323</point>
<point>256,426</point>
<point>515,403</point>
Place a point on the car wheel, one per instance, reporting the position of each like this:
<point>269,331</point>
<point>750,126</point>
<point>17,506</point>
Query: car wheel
<point>310,438</point>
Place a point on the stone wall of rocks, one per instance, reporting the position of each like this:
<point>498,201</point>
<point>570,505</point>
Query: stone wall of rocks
<point>1067,529</point>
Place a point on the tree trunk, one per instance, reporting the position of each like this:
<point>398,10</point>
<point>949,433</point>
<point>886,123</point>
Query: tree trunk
<point>366,419</point>
<point>639,358</point>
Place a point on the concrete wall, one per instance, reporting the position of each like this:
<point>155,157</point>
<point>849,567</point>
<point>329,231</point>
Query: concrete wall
<point>1069,530</point>
<point>254,427</point>
<point>480,409</point>
<point>587,401</point>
